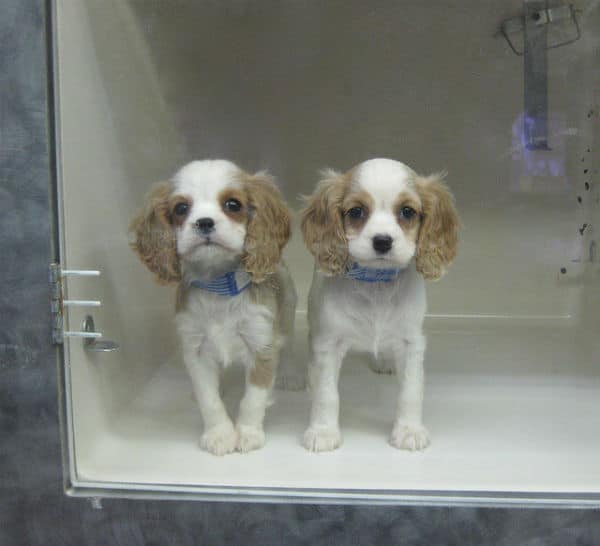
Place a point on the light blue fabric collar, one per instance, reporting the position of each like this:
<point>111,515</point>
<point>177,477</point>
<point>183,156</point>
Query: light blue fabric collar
<point>372,274</point>
<point>229,284</point>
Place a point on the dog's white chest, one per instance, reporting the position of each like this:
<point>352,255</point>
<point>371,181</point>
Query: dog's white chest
<point>224,343</point>
<point>372,317</point>
<point>226,328</point>
<point>372,320</point>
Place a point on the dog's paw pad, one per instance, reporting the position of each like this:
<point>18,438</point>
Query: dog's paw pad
<point>219,440</point>
<point>249,438</point>
<point>410,437</point>
<point>322,439</point>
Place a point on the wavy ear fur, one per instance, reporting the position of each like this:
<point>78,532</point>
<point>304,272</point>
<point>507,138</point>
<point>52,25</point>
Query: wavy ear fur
<point>322,223</point>
<point>438,235</point>
<point>155,241</point>
<point>269,226</point>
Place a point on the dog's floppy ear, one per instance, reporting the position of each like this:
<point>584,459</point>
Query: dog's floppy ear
<point>438,235</point>
<point>322,223</point>
<point>269,226</point>
<point>155,241</point>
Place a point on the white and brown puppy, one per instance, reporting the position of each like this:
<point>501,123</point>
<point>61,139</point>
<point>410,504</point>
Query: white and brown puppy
<point>219,232</point>
<point>376,232</point>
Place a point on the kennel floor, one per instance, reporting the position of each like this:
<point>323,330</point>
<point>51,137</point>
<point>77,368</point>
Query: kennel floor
<point>509,409</point>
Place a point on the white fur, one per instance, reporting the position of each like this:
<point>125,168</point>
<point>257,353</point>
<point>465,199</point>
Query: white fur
<point>383,318</point>
<point>216,330</point>
<point>383,179</point>
<point>203,181</point>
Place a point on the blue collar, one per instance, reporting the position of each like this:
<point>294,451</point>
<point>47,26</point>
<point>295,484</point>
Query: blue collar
<point>229,284</point>
<point>372,274</point>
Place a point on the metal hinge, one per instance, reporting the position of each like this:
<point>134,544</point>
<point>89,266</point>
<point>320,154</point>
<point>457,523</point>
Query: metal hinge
<point>58,304</point>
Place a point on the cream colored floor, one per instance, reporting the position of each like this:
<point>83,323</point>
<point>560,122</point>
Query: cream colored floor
<point>508,410</point>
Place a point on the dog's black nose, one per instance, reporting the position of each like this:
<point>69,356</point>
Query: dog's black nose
<point>382,243</point>
<point>205,225</point>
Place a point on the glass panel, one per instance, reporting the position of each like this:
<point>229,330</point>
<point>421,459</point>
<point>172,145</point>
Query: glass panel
<point>295,87</point>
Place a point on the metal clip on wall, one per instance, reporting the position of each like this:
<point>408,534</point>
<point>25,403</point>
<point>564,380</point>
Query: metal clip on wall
<point>541,16</point>
<point>57,305</point>
<point>534,24</point>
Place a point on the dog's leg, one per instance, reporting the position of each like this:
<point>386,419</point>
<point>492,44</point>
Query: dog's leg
<point>259,384</point>
<point>219,436</point>
<point>323,433</point>
<point>409,432</point>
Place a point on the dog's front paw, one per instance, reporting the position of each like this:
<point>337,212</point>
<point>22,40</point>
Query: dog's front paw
<point>411,437</point>
<point>322,439</point>
<point>249,438</point>
<point>219,440</point>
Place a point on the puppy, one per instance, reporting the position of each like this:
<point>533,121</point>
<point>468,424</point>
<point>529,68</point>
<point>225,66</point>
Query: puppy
<point>376,233</point>
<point>218,232</point>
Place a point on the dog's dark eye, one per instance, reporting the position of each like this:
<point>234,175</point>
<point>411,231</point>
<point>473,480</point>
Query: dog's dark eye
<point>233,205</point>
<point>181,209</point>
<point>407,212</point>
<point>356,212</point>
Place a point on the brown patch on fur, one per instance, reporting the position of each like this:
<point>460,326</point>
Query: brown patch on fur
<point>155,241</point>
<point>438,234</point>
<point>277,294</point>
<point>240,216</point>
<point>407,199</point>
<point>175,200</point>
<point>263,373</point>
<point>322,222</point>
<point>269,226</point>
<point>272,294</point>
<point>409,226</point>
<point>357,199</point>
